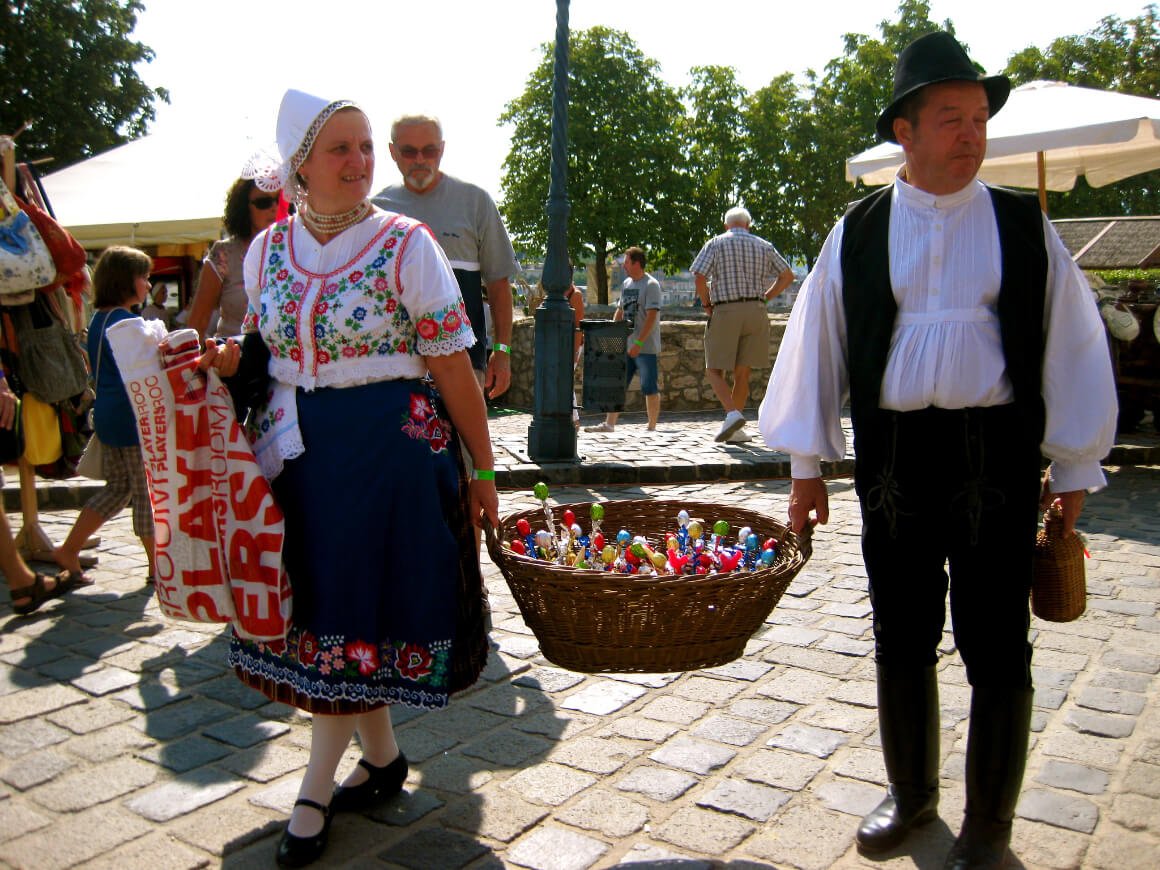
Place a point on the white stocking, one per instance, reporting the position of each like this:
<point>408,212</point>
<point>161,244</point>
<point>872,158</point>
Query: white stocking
<point>329,737</point>
<point>376,736</point>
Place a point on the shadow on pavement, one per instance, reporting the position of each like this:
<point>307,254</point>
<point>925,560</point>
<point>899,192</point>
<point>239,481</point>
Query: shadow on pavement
<point>438,819</point>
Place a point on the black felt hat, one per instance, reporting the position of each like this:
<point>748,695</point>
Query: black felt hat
<point>933,58</point>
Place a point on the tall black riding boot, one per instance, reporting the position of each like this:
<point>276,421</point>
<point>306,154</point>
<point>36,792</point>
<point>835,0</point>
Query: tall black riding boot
<point>996,756</point>
<point>908,725</point>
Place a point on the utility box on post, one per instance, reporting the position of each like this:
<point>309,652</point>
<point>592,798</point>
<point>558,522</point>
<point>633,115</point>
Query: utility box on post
<point>605,364</point>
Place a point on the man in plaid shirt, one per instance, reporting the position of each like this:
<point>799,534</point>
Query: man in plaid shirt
<point>736,274</point>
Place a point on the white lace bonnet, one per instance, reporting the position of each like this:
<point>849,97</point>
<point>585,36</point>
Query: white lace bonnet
<point>300,117</point>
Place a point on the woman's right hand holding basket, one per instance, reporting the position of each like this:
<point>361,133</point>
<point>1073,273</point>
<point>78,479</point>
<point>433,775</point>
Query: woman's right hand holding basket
<point>484,498</point>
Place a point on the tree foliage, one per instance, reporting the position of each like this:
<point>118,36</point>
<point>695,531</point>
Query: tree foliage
<point>68,66</point>
<point>1115,55</point>
<point>652,167</point>
<point>774,155</point>
<point>625,180</point>
<point>713,135</point>
<point>841,110</point>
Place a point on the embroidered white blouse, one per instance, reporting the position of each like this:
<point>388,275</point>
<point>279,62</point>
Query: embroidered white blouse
<point>368,305</point>
<point>945,350</point>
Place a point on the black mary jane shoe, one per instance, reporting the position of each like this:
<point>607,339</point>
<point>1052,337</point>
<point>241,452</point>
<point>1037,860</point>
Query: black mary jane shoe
<point>296,851</point>
<point>381,783</point>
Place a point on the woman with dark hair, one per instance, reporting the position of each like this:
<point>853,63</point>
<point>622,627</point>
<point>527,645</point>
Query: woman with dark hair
<point>120,281</point>
<point>249,210</point>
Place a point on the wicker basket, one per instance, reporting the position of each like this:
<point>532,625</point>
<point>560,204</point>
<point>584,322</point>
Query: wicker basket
<point>598,621</point>
<point>1058,587</point>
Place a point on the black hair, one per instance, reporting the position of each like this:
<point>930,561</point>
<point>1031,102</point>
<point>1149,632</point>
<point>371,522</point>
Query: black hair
<point>236,220</point>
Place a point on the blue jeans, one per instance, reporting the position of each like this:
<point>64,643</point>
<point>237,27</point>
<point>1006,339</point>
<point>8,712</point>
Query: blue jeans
<point>646,364</point>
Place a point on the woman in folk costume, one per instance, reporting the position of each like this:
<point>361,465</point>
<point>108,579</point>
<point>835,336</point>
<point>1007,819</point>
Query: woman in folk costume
<point>355,306</point>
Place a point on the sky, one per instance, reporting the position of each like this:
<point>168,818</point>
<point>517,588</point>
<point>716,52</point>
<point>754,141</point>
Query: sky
<point>226,63</point>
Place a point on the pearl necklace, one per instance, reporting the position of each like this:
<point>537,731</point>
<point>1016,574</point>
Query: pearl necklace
<point>333,224</point>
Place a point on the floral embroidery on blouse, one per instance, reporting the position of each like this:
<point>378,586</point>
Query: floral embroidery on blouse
<point>320,326</point>
<point>424,424</point>
<point>268,418</point>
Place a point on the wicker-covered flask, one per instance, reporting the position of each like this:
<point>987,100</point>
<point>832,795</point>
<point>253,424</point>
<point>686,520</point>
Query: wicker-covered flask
<point>1058,588</point>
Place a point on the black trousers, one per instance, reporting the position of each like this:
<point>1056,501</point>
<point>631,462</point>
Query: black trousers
<point>957,488</point>
<point>471,289</point>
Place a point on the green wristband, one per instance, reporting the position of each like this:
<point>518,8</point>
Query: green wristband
<point>500,347</point>
<point>638,342</point>
<point>483,474</point>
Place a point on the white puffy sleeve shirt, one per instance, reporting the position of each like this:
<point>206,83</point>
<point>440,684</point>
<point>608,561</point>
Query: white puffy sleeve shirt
<point>945,350</point>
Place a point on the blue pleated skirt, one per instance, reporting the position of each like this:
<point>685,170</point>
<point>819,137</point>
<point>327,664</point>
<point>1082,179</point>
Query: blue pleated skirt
<point>389,605</point>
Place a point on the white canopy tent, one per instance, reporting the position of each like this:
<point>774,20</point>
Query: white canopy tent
<point>1049,134</point>
<point>162,189</point>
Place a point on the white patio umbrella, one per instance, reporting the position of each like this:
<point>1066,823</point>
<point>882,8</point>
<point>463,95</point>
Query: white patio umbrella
<point>1047,135</point>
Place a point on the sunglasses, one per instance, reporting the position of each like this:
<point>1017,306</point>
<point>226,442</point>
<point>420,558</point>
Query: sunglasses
<point>264,202</point>
<point>410,152</point>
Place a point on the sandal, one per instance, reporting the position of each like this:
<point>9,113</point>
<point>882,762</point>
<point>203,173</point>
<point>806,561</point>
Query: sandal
<point>37,594</point>
<point>77,579</point>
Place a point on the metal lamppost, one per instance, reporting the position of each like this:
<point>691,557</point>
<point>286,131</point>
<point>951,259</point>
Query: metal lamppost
<point>552,436</point>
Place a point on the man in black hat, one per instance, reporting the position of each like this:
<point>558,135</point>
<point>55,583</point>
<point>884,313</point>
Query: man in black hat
<point>969,345</point>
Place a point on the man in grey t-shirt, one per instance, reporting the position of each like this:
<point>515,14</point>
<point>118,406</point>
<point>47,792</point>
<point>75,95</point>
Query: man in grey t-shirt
<point>467,225</point>
<point>640,305</point>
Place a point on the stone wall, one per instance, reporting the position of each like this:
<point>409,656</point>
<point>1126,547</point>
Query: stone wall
<point>682,366</point>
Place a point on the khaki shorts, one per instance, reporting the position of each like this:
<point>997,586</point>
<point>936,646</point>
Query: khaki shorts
<point>737,334</point>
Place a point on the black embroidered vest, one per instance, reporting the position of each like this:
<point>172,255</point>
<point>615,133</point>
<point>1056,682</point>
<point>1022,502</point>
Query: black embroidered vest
<point>868,301</point>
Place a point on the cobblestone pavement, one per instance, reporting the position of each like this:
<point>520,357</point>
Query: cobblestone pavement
<point>125,742</point>
<point>682,450</point>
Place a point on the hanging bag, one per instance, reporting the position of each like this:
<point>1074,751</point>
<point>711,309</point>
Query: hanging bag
<point>51,363</point>
<point>25,262</point>
<point>75,434</point>
<point>92,461</point>
<point>67,254</point>
<point>41,431</point>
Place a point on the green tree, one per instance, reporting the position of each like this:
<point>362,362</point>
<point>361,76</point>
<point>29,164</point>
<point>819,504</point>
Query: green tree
<point>68,67</point>
<point>771,164</point>
<point>713,131</point>
<point>1115,55</point>
<point>841,110</point>
<point>626,179</point>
